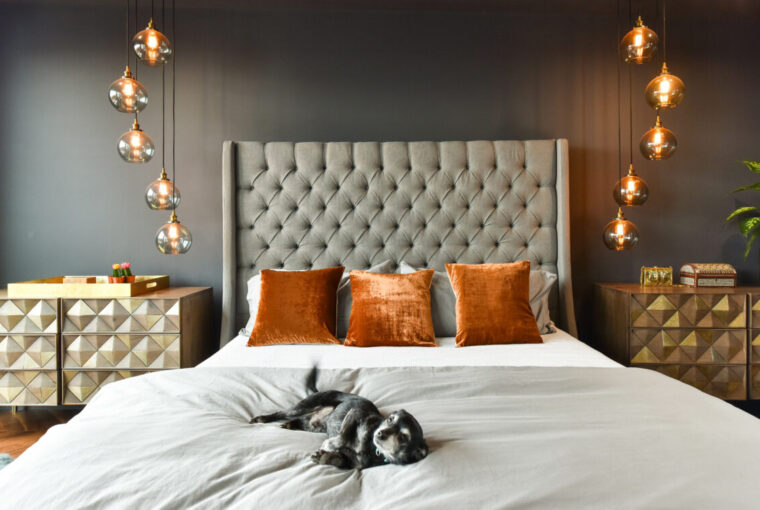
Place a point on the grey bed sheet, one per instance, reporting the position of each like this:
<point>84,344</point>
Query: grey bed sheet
<point>500,437</point>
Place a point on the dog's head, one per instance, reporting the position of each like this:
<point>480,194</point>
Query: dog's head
<point>399,439</point>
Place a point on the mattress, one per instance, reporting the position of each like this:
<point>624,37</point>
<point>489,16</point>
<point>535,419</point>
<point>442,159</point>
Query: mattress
<point>559,349</point>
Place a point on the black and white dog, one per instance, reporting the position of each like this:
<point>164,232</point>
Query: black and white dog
<point>358,436</point>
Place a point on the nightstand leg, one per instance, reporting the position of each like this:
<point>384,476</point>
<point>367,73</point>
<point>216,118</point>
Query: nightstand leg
<point>14,409</point>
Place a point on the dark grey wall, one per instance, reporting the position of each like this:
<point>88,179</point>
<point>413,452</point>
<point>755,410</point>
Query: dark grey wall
<point>69,205</point>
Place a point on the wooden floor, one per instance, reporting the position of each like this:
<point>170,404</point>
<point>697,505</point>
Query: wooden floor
<point>21,430</point>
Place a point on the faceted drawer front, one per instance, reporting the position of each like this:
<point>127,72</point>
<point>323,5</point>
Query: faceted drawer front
<point>144,351</point>
<point>755,311</point>
<point>688,311</point>
<point>79,386</point>
<point>754,388</point>
<point>722,381</point>
<point>28,316</point>
<point>649,345</point>
<point>28,352</point>
<point>754,360</point>
<point>29,388</point>
<point>121,315</point>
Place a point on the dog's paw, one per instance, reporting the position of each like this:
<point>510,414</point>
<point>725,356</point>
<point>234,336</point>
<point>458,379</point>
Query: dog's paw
<point>328,458</point>
<point>290,425</point>
<point>318,456</point>
<point>257,419</point>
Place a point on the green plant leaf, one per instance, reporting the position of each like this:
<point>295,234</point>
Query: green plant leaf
<point>750,242</point>
<point>755,187</point>
<point>740,210</point>
<point>747,225</point>
<point>752,166</point>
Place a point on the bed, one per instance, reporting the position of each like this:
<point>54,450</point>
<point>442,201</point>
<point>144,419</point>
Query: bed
<point>551,425</point>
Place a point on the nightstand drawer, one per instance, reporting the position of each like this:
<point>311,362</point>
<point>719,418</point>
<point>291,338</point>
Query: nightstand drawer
<point>728,382</point>
<point>121,351</point>
<point>670,310</point>
<point>128,315</point>
<point>28,316</point>
<point>28,352</point>
<point>658,345</point>
<point>754,381</point>
<point>79,386</point>
<point>29,387</point>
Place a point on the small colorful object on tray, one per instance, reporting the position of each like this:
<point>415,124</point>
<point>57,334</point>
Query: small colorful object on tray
<point>708,275</point>
<point>656,276</point>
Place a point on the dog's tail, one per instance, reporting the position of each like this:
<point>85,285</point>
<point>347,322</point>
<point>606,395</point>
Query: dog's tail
<point>311,380</point>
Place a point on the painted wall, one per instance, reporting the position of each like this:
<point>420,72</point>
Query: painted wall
<point>68,205</point>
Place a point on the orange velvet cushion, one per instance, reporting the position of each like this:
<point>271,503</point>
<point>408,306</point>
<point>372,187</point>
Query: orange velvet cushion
<point>493,304</point>
<point>390,309</point>
<point>297,307</point>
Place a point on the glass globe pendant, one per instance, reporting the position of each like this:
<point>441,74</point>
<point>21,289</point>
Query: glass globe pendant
<point>127,94</point>
<point>135,146</point>
<point>665,90</point>
<point>658,143</point>
<point>161,194</point>
<point>151,46</point>
<point>620,234</point>
<point>631,189</point>
<point>173,238</point>
<point>639,45</point>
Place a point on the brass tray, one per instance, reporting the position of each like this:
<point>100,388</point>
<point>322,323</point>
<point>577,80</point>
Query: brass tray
<point>55,288</point>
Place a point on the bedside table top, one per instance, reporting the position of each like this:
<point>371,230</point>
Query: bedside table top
<point>170,293</point>
<point>635,288</point>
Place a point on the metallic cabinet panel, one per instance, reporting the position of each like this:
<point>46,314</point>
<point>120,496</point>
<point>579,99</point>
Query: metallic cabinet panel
<point>728,382</point>
<point>28,352</point>
<point>661,345</point>
<point>29,387</point>
<point>122,351</point>
<point>127,315</point>
<point>670,310</point>
<point>28,316</point>
<point>79,386</point>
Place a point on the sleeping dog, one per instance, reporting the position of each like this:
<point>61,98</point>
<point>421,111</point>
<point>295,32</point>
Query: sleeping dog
<point>358,436</point>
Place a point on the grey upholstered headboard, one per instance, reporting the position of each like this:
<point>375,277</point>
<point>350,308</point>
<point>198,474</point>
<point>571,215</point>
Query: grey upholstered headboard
<point>313,205</point>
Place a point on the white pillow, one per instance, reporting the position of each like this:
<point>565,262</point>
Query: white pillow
<point>443,300</point>
<point>343,308</point>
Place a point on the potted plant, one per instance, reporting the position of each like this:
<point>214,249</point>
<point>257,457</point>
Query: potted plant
<point>117,276</point>
<point>127,272</point>
<point>748,217</point>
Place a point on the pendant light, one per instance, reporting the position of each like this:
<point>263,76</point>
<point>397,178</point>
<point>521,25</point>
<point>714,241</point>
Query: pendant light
<point>620,234</point>
<point>658,143</point>
<point>126,94</point>
<point>135,146</point>
<point>665,90</point>
<point>151,46</point>
<point>173,238</point>
<point>639,45</point>
<point>631,189</point>
<point>161,193</point>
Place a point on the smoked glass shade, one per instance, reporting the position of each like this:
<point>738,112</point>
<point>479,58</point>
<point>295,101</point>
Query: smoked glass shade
<point>135,146</point>
<point>161,194</point>
<point>658,143</point>
<point>639,45</point>
<point>631,189</point>
<point>665,90</point>
<point>127,94</point>
<point>151,46</point>
<point>620,234</point>
<point>173,238</point>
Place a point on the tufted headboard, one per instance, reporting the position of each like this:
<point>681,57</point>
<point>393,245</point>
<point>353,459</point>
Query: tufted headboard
<point>313,205</point>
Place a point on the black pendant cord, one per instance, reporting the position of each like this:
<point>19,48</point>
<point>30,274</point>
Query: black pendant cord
<point>126,34</point>
<point>137,59</point>
<point>163,119</point>
<point>620,143</point>
<point>664,35</point>
<point>630,118</point>
<point>174,101</point>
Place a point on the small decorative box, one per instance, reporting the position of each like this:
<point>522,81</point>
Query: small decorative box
<point>708,275</point>
<point>656,276</point>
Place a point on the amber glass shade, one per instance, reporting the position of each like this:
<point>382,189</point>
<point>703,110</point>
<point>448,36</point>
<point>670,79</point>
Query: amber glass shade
<point>127,94</point>
<point>135,146</point>
<point>620,234</point>
<point>665,90</point>
<point>173,238</point>
<point>639,45</point>
<point>631,189</point>
<point>161,194</point>
<point>658,143</point>
<point>151,46</point>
